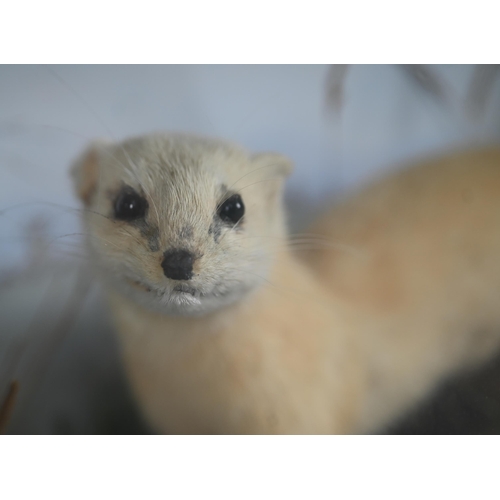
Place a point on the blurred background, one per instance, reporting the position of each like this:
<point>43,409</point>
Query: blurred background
<point>340,124</point>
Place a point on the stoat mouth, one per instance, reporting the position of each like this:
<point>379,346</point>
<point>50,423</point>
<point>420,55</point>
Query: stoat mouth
<point>179,290</point>
<point>182,298</point>
<point>187,289</point>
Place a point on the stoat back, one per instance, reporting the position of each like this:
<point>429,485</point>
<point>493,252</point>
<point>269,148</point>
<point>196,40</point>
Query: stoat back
<point>425,279</point>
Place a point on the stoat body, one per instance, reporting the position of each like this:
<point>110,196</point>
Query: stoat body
<point>426,292</point>
<point>225,330</point>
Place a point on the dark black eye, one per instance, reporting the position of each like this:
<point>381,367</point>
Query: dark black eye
<point>129,205</point>
<point>232,209</point>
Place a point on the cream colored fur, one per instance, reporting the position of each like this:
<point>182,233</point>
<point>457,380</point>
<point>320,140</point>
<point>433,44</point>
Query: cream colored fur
<point>402,289</point>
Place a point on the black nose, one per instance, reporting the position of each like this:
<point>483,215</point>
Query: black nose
<point>178,264</point>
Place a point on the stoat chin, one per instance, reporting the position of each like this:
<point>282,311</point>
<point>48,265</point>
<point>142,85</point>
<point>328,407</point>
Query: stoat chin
<point>181,300</point>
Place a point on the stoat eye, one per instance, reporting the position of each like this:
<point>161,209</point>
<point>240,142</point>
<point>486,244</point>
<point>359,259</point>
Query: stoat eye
<point>232,209</point>
<point>129,205</point>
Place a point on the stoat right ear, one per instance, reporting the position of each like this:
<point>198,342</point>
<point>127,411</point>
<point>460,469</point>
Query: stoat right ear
<point>85,171</point>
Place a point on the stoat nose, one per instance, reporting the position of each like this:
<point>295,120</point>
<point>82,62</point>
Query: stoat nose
<point>178,264</point>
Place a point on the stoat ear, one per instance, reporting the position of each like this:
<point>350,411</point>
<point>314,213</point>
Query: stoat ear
<point>276,162</point>
<point>85,171</point>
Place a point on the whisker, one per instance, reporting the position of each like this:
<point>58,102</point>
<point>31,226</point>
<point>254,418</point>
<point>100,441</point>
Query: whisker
<point>105,126</point>
<point>251,172</point>
<point>231,229</point>
<point>54,205</point>
<point>83,101</point>
<point>318,243</point>
<point>142,186</point>
<point>241,189</point>
<point>48,126</point>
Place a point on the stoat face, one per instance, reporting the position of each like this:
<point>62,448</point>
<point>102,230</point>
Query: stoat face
<point>181,224</point>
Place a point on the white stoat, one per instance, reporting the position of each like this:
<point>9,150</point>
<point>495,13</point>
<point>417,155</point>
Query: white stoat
<point>225,330</point>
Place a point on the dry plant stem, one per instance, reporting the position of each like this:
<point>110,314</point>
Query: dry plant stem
<point>8,406</point>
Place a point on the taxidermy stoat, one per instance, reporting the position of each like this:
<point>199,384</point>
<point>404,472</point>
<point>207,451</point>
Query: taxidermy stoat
<point>226,328</point>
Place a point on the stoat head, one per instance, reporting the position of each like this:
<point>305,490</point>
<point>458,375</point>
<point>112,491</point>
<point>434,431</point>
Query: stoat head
<point>181,224</point>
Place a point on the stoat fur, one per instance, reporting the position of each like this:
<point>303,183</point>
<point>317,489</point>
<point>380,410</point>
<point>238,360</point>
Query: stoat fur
<point>263,339</point>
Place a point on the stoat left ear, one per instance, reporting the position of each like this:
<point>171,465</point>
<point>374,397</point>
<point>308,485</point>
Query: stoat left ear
<point>85,171</point>
<point>276,162</point>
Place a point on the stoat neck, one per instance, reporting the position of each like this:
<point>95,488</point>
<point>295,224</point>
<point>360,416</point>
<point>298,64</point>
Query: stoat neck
<point>282,349</point>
